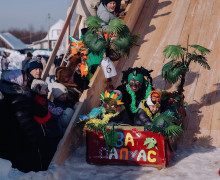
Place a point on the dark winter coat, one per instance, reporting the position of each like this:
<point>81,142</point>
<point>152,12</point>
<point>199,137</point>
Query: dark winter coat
<point>82,82</point>
<point>52,132</point>
<point>20,134</point>
<point>141,118</point>
<point>25,63</point>
<point>122,118</point>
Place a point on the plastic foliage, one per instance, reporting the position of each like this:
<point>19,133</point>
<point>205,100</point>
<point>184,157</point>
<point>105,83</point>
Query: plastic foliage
<point>165,124</point>
<point>110,136</point>
<point>117,36</point>
<point>94,23</point>
<point>181,59</point>
<point>94,42</point>
<point>150,143</point>
<point>172,101</point>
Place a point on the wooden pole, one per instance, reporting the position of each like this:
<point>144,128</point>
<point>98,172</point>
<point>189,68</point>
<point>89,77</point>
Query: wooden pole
<point>68,32</point>
<point>76,27</point>
<point>67,22</point>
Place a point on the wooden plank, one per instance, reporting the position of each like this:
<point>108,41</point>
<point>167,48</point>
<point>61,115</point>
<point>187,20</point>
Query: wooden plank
<point>88,100</point>
<point>76,27</point>
<point>66,23</point>
<point>169,34</point>
<point>202,85</point>
<point>143,28</point>
<point>133,13</point>
<point>203,92</point>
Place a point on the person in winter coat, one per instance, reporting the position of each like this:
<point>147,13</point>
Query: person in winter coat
<point>20,134</point>
<point>112,110</point>
<point>35,69</point>
<point>42,115</point>
<point>25,62</point>
<point>40,92</point>
<point>106,11</point>
<point>136,86</point>
<point>59,107</point>
<point>148,109</point>
<point>85,9</point>
<point>4,66</point>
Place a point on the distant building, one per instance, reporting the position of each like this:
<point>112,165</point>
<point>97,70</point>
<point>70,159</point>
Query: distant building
<point>54,33</point>
<point>7,40</point>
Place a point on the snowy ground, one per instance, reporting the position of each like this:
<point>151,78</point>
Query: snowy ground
<point>194,163</point>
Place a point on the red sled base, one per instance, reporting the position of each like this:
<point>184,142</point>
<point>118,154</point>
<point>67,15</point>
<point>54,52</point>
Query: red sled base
<point>133,148</point>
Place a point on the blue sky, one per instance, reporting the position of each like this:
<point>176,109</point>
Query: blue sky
<point>23,14</point>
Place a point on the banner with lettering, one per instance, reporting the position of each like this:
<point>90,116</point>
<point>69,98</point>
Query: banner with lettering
<point>133,147</point>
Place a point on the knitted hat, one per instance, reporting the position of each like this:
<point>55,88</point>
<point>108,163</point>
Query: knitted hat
<point>58,89</point>
<point>105,2</point>
<point>37,82</point>
<point>35,64</point>
<point>29,54</point>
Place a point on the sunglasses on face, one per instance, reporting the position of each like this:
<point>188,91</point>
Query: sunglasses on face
<point>134,83</point>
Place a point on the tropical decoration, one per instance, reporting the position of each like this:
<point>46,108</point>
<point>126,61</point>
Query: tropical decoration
<point>174,102</point>
<point>181,59</point>
<point>165,124</point>
<point>150,143</point>
<point>116,40</point>
<point>110,135</point>
<point>98,119</point>
<point>78,48</point>
<point>141,75</point>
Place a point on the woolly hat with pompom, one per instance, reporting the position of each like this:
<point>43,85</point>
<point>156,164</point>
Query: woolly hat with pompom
<point>58,89</point>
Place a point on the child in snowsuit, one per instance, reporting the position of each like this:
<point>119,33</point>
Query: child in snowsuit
<point>59,107</point>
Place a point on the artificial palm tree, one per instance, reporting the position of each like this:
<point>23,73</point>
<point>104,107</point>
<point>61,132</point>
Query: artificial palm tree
<point>116,36</point>
<point>181,59</point>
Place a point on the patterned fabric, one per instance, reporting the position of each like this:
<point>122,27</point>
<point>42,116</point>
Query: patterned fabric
<point>14,76</point>
<point>57,111</point>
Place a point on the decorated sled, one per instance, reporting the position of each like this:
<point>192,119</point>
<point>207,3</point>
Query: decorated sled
<point>134,147</point>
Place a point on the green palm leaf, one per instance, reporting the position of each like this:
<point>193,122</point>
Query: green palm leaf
<point>111,138</point>
<point>165,119</point>
<point>201,49</point>
<point>173,51</point>
<point>173,131</point>
<point>94,23</point>
<point>95,44</point>
<point>167,67</point>
<point>173,70</point>
<point>123,45</point>
<point>96,47</point>
<point>175,73</point>
<point>89,36</point>
<point>117,27</point>
<point>200,59</point>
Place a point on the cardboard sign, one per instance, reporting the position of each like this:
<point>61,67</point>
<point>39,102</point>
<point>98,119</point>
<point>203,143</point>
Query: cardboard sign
<point>133,148</point>
<point>108,68</point>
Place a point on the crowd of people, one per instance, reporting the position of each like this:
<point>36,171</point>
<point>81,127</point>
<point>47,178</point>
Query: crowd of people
<point>32,124</point>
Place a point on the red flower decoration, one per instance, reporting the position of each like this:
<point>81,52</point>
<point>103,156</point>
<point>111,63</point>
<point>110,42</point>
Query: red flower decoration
<point>135,130</point>
<point>219,172</point>
<point>169,93</point>
<point>171,100</point>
